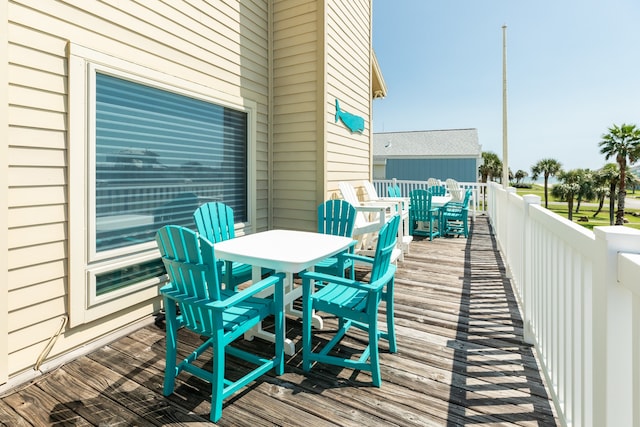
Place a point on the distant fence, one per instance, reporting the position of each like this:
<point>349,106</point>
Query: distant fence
<point>579,293</point>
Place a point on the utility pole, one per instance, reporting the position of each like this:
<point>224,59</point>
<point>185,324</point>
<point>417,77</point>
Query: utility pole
<point>505,150</point>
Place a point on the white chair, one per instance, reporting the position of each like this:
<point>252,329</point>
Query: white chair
<point>433,182</point>
<point>400,206</point>
<point>457,195</point>
<point>370,218</point>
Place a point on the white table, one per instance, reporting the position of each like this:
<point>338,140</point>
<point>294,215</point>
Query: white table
<point>284,251</point>
<point>439,201</point>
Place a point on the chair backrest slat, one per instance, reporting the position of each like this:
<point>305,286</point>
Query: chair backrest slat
<point>420,204</point>
<point>370,189</point>
<point>349,194</point>
<point>433,182</point>
<point>387,239</point>
<point>336,217</point>
<point>394,191</point>
<point>215,221</point>
<point>438,190</point>
<point>454,189</point>
<point>190,262</point>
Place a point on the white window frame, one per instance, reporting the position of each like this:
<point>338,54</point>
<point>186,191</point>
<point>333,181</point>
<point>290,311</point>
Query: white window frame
<point>84,262</point>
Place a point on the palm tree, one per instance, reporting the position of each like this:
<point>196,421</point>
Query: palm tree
<point>605,183</point>
<point>623,142</point>
<point>632,181</point>
<point>520,175</point>
<point>601,192</point>
<point>491,166</point>
<point>584,178</point>
<point>546,168</point>
<point>566,191</point>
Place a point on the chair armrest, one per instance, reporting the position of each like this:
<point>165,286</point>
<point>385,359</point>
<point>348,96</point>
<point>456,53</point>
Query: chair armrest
<point>309,276</point>
<point>379,203</point>
<point>355,257</point>
<point>379,209</point>
<point>371,208</point>
<point>395,199</point>
<point>276,279</point>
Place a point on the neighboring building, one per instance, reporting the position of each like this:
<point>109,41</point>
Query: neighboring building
<point>118,117</point>
<point>420,155</point>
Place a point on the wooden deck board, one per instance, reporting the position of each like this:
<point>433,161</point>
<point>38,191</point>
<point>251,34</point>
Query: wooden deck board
<point>461,361</point>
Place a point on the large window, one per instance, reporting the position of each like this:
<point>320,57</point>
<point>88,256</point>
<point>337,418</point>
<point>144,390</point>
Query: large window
<point>154,148</point>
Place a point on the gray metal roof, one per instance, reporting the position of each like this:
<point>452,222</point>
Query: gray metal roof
<point>431,143</point>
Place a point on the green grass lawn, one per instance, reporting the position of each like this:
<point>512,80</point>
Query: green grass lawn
<point>587,209</point>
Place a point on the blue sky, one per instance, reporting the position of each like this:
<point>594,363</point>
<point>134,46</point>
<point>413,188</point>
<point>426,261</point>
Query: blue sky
<point>573,70</point>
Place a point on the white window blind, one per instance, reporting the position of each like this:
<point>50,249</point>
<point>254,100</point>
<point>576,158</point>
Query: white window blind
<point>158,156</point>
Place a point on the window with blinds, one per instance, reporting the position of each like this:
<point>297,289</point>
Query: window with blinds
<point>146,148</point>
<point>159,155</point>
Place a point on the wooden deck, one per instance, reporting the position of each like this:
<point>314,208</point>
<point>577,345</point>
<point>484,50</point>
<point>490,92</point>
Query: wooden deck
<point>461,361</point>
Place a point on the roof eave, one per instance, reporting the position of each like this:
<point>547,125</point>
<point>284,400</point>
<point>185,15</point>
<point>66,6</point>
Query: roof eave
<point>378,86</point>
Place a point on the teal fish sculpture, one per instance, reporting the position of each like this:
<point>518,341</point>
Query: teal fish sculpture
<point>351,121</point>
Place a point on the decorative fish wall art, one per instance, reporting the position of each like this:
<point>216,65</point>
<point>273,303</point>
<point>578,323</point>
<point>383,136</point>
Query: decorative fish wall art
<point>351,121</point>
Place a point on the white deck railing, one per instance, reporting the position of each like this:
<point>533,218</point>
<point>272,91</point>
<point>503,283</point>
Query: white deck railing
<point>579,293</point>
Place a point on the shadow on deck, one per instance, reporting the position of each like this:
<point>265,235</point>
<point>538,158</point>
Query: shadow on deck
<point>461,361</point>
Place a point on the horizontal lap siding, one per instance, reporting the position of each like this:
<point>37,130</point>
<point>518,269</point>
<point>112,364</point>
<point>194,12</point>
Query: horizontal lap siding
<point>220,45</point>
<point>297,136</point>
<point>348,80</point>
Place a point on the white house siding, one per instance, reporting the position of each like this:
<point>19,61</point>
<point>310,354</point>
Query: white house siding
<point>348,80</point>
<point>222,45</point>
<point>4,126</point>
<point>297,99</point>
<point>318,55</point>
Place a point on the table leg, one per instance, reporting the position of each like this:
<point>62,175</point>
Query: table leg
<point>291,294</point>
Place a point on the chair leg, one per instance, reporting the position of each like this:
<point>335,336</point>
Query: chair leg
<point>306,325</point>
<point>217,380</point>
<point>431,225</point>
<point>172,326</point>
<point>391,330</point>
<point>279,325</point>
<point>374,356</point>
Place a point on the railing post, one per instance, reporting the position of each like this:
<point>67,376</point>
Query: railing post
<point>508,221</point>
<point>527,303</point>
<point>612,332</point>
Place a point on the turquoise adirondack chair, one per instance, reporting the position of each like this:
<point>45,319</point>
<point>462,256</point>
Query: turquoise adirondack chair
<point>336,217</point>
<point>214,220</point>
<point>438,190</point>
<point>220,315</point>
<point>394,191</point>
<point>420,209</point>
<point>455,216</point>
<point>355,304</point>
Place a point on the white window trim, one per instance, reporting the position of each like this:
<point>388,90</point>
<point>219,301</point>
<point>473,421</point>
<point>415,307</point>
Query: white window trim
<point>84,262</point>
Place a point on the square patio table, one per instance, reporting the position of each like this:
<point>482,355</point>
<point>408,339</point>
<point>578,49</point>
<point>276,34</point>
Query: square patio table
<point>286,251</point>
<point>440,201</point>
